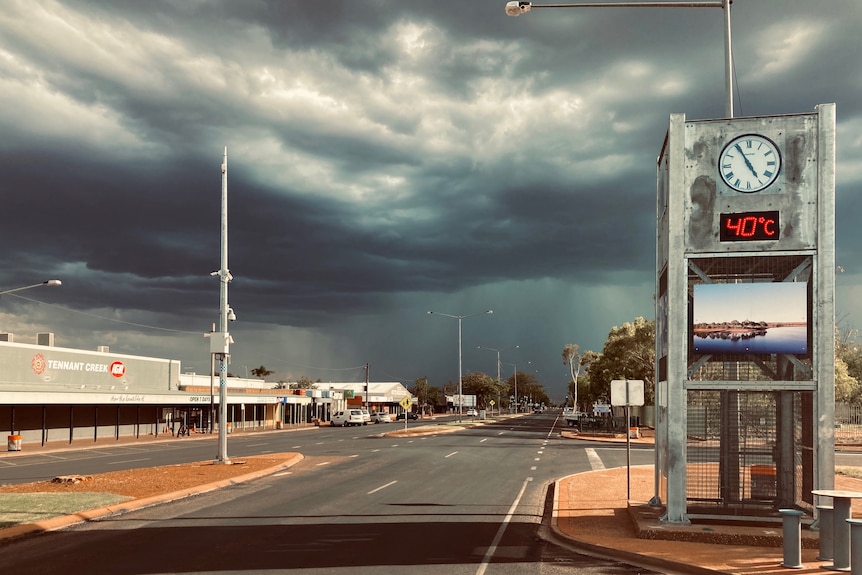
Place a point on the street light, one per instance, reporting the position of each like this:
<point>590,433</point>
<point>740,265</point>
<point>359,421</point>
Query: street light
<point>498,367</point>
<point>49,283</point>
<point>460,378</point>
<point>516,8</point>
<point>517,407</point>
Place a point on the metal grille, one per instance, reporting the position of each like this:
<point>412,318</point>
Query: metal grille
<point>732,459</point>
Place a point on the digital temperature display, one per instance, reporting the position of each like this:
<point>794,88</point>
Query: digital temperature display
<point>749,226</point>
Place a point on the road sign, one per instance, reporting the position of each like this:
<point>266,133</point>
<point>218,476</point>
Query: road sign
<point>405,403</point>
<point>492,402</point>
<point>635,393</point>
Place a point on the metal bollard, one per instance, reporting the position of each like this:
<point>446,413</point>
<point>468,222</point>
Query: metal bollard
<point>824,525</point>
<point>855,546</point>
<point>792,523</point>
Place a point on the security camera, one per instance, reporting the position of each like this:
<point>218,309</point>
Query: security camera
<point>518,8</point>
<point>230,315</point>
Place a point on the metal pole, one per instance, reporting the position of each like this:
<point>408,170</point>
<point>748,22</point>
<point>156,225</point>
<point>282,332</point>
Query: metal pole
<point>460,376</point>
<point>518,8</point>
<point>224,278</point>
<point>517,407</point>
<point>728,60</point>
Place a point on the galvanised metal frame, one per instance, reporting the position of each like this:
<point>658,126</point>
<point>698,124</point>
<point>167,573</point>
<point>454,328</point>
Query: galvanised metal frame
<point>689,198</point>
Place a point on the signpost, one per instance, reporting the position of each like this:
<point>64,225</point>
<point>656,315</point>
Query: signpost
<point>406,404</point>
<point>628,392</point>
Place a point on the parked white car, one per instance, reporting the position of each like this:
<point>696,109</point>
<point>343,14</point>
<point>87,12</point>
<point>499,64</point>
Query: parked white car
<point>380,417</point>
<point>366,417</point>
<point>347,418</point>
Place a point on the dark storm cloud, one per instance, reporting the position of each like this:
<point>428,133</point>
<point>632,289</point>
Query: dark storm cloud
<point>385,158</point>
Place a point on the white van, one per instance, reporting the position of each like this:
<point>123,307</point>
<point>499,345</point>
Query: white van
<point>347,418</point>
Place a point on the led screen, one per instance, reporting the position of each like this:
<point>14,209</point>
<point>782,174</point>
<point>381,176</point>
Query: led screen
<point>750,318</point>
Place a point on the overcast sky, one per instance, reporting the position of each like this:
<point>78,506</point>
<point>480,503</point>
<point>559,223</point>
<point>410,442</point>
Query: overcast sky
<point>385,158</point>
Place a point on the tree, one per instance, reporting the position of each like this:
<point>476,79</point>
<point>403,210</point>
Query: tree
<point>575,360</point>
<point>628,353</point>
<point>303,382</point>
<point>482,385</point>
<point>425,393</point>
<point>261,372</point>
<point>529,388</point>
<point>848,367</point>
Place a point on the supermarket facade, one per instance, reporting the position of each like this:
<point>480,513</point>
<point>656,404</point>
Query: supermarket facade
<point>49,393</point>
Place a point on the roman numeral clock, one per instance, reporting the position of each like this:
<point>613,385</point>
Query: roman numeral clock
<point>749,163</point>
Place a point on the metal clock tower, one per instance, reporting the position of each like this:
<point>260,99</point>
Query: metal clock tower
<point>745,260</point>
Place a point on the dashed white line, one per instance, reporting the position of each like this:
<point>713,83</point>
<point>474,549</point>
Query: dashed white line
<point>382,487</point>
<point>484,440</point>
<point>127,461</point>
<point>450,455</point>
<point>323,463</point>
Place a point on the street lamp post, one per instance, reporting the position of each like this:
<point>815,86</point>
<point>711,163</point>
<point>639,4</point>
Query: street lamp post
<point>498,368</point>
<point>515,366</point>
<point>516,8</point>
<point>460,377</point>
<point>49,283</point>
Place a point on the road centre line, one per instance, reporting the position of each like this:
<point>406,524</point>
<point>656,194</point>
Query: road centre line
<point>323,463</point>
<point>450,455</point>
<point>484,440</point>
<point>493,548</point>
<point>382,487</point>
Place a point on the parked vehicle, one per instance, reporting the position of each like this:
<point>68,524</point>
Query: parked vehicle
<point>347,418</point>
<point>380,417</point>
<point>410,415</point>
<point>472,413</point>
<point>366,417</point>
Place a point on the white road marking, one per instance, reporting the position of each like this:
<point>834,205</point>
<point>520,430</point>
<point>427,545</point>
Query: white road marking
<point>256,444</point>
<point>382,487</point>
<point>324,463</point>
<point>493,548</point>
<point>594,459</point>
<point>484,440</point>
<point>282,473</point>
<point>126,461</point>
<point>533,468</point>
<point>450,455</point>
<point>356,455</point>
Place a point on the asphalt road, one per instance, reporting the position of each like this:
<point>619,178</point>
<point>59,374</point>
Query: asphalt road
<point>471,502</point>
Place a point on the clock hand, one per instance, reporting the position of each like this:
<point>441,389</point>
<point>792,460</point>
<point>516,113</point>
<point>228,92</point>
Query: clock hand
<point>747,163</point>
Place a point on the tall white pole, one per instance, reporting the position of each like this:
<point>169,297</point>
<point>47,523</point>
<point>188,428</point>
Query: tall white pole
<point>460,376</point>
<point>224,339</point>
<point>728,61</point>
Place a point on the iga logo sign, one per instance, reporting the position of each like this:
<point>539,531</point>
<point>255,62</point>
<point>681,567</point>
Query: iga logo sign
<point>38,364</point>
<point>118,369</point>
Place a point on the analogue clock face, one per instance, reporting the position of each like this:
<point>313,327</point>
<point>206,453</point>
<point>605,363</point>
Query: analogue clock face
<point>749,163</point>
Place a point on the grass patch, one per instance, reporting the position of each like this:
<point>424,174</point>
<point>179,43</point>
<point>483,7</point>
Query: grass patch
<point>16,508</point>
